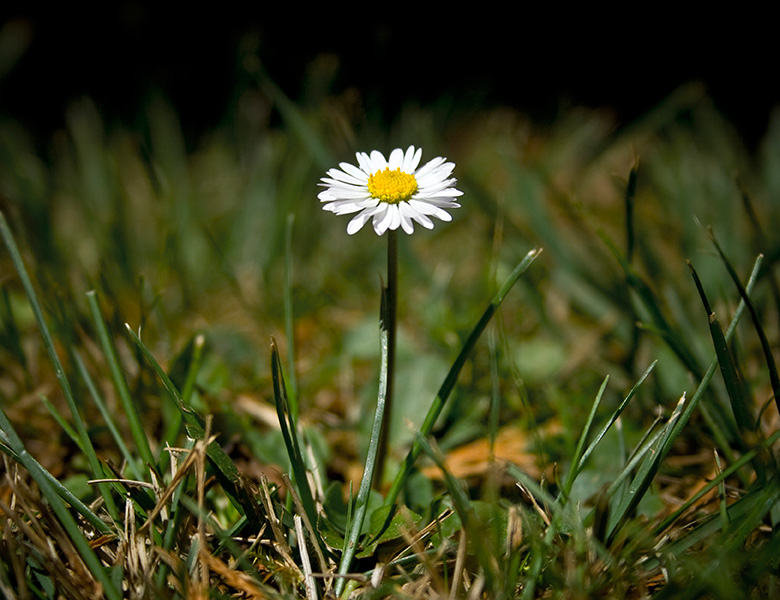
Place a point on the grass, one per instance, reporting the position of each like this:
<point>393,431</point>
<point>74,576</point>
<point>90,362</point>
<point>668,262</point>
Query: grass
<point>586,402</point>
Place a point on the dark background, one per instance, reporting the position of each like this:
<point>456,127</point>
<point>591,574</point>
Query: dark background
<point>534,60</point>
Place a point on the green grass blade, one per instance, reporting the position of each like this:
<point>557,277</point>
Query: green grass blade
<point>62,422</point>
<point>579,453</point>
<point>48,342</point>
<point>120,385</point>
<point>452,376</point>
<point>60,489</point>
<point>774,379</point>
<point>728,368</point>
<point>580,459</point>
<point>58,506</point>
<point>290,435</point>
<point>100,403</point>
<point>710,373</point>
<point>227,473</point>
<point>644,476</point>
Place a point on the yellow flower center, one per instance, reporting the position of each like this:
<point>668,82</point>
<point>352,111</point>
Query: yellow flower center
<point>392,186</point>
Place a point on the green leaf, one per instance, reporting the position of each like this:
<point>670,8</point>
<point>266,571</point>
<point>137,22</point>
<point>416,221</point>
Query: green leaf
<point>388,523</point>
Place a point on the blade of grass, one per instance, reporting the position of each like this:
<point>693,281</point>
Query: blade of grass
<point>130,459</point>
<point>62,422</point>
<point>60,489</point>
<point>580,457</point>
<point>710,373</point>
<point>644,476</point>
<point>452,376</point>
<point>290,435</point>
<point>227,473</point>
<point>740,462</point>
<point>728,368</point>
<point>577,460</point>
<point>120,384</point>
<point>774,379</point>
<point>58,506</point>
<point>48,342</point>
<point>173,427</point>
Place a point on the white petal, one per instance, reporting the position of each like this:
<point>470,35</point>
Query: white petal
<point>407,214</point>
<point>357,222</point>
<point>383,222</point>
<point>364,161</point>
<point>423,220</point>
<point>411,159</point>
<point>354,172</point>
<point>345,208</point>
<point>429,166</point>
<point>378,162</point>
<point>336,194</point>
<point>396,159</point>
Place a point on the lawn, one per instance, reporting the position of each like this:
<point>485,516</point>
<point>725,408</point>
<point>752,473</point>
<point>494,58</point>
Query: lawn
<point>581,363</point>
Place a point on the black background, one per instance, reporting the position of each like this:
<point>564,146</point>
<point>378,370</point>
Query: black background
<point>534,60</point>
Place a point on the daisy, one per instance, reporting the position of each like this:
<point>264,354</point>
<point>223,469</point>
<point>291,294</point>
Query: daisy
<point>391,193</point>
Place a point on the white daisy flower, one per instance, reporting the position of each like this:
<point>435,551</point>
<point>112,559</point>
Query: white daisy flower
<point>392,193</point>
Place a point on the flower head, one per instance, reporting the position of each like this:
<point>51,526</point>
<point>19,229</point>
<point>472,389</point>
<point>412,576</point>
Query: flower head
<point>391,193</point>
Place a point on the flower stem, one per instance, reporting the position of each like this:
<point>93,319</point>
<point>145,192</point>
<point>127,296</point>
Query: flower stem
<point>361,502</point>
<point>389,324</point>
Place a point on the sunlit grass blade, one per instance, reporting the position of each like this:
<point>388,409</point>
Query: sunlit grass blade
<point>578,460</point>
<point>120,384</point>
<point>289,429</point>
<point>195,352</point>
<point>580,456</point>
<point>58,506</point>
<point>48,342</point>
<point>710,373</point>
<point>452,376</point>
<point>227,473</point>
<point>645,475</point>
<point>30,464</point>
<point>130,459</point>
<point>728,369</point>
<point>774,379</point>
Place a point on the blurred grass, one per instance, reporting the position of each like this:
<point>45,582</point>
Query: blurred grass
<point>183,239</point>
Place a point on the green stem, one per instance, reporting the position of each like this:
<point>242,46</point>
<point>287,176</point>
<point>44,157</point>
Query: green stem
<point>389,324</point>
<point>361,503</point>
